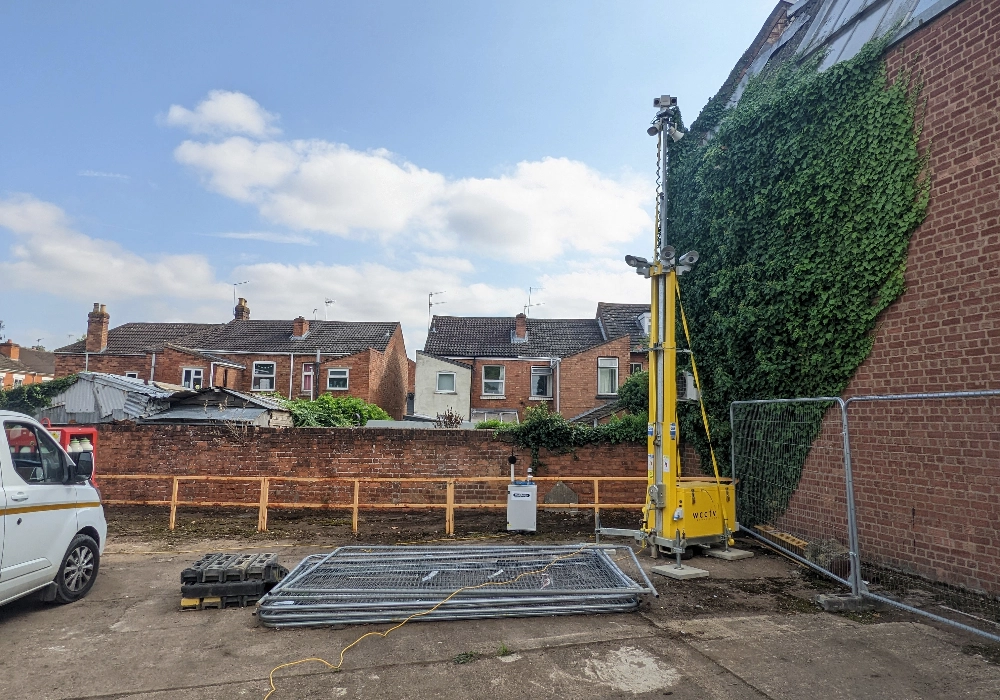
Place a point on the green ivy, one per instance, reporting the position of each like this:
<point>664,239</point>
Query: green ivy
<point>329,411</point>
<point>31,398</point>
<point>633,395</point>
<point>543,429</point>
<point>801,200</point>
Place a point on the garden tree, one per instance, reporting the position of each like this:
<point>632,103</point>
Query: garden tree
<point>633,395</point>
<point>329,411</point>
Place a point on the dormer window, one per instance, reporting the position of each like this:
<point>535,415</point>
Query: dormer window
<point>644,322</point>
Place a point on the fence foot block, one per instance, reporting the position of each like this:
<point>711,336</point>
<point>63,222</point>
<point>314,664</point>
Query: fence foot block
<point>680,573</point>
<point>843,603</point>
<point>728,554</point>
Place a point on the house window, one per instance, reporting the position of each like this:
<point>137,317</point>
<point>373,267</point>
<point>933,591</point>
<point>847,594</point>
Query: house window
<point>263,376</point>
<point>131,375</point>
<point>493,380</point>
<point>18,381</point>
<point>541,382</point>
<point>336,379</point>
<point>445,383</point>
<point>607,375</point>
<point>307,378</point>
<point>191,378</point>
<point>634,367</point>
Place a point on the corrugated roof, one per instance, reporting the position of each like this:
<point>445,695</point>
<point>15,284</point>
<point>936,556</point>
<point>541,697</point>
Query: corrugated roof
<point>211,414</point>
<point>461,336</point>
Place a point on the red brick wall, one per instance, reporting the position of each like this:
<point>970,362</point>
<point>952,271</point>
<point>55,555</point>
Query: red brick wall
<point>126,448</point>
<point>927,474</point>
<point>389,374</point>
<point>517,385</point>
<point>578,376</point>
<point>110,364</point>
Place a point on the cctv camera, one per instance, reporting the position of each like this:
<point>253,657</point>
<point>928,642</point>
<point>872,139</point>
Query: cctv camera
<point>667,252</point>
<point>689,258</point>
<point>636,261</point>
<point>664,101</point>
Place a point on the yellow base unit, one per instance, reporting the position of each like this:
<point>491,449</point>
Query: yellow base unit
<point>703,509</point>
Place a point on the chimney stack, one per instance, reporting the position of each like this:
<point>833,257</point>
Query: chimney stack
<point>300,327</point>
<point>242,311</point>
<point>97,329</point>
<point>10,349</point>
<point>520,326</point>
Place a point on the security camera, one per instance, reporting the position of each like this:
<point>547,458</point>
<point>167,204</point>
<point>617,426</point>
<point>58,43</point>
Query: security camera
<point>635,261</point>
<point>689,258</point>
<point>667,253</point>
<point>664,101</point>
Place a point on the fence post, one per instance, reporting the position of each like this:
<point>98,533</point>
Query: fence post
<point>449,512</point>
<point>852,520</point>
<point>173,504</point>
<point>354,511</point>
<point>262,512</point>
<point>597,498</point>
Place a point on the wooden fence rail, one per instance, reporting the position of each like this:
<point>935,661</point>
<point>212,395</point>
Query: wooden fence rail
<point>355,506</point>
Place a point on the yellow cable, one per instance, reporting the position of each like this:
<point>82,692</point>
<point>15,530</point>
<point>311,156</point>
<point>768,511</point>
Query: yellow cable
<point>344,651</point>
<point>701,404</point>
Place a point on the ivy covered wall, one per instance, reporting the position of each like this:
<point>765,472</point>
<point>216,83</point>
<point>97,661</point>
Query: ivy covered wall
<point>801,200</point>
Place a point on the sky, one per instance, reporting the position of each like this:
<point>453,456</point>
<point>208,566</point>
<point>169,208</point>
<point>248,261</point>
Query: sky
<point>340,159</point>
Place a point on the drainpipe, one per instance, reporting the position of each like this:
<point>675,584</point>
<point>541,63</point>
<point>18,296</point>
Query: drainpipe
<point>86,361</point>
<point>152,368</point>
<point>558,362</point>
<point>291,374</point>
<point>314,389</point>
<point>211,375</point>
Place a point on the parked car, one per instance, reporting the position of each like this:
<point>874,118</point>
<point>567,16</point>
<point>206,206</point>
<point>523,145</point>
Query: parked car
<point>53,521</point>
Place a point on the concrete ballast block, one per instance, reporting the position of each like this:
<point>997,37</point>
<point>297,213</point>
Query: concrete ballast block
<point>681,573</point>
<point>729,554</point>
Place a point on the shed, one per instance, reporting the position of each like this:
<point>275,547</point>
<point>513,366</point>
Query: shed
<point>97,397</point>
<point>219,406</point>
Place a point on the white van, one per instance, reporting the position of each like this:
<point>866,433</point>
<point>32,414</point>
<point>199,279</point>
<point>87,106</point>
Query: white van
<point>53,523</point>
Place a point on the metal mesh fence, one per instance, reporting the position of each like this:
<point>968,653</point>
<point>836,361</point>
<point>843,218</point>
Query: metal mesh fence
<point>792,487</point>
<point>354,585</point>
<point>927,483</point>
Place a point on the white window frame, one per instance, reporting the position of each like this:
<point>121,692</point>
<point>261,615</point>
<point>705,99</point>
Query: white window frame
<point>501,382</point>
<point>18,381</point>
<point>454,383</point>
<point>308,370</point>
<point>539,370</point>
<point>330,377</point>
<point>607,364</point>
<point>188,383</point>
<point>131,375</point>
<point>645,322</point>
<point>256,378</point>
<point>634,367</point>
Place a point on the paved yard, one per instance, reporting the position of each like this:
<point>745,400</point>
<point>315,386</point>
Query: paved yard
<point>747,632</point>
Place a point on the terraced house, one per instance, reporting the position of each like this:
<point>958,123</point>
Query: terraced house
<point>495,367</point>
<point>295,358</point>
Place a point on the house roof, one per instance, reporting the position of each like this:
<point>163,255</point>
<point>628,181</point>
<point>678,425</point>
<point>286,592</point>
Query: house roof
<point>460,336</point>
<point>623,319</point>
<point>39,361</point>
<point>140,338</point>
<point>597,413</point>
<point>335,337</point>
<point>9,365</point>
<point>464,365</point>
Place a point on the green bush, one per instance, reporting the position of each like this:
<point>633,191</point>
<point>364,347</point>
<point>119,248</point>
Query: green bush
<point>30,398</point>
<point>329,411</point>
<point>633,395</point>
<point>492,424</point>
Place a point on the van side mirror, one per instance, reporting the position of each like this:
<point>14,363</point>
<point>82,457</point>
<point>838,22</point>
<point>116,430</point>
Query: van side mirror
<point>84,468</point>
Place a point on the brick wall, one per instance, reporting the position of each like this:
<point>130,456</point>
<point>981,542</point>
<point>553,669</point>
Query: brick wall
<point>927,474</point>
<point>126,448</point>
<point>517,385</point>
<point>578,376</point>
<point>389,376</point>
<point>111,364</point>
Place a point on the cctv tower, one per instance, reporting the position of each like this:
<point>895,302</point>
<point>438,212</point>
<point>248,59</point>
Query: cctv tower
<point>680,512</point>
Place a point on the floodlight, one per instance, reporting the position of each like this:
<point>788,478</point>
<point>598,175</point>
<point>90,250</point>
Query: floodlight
<point>667,252</point>
<point>653,130</point>
<point>689,258</point>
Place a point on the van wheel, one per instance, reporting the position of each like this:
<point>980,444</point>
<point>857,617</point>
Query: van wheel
<point>78,571</point>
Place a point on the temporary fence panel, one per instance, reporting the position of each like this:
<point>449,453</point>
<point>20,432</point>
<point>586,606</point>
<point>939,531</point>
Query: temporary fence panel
<point>927,481</point>
<point>793,481</point>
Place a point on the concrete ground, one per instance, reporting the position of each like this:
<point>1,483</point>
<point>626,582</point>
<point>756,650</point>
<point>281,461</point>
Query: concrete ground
<point>749,631</point>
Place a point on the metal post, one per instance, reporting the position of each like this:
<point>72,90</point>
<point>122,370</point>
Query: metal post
<point>852,521</point>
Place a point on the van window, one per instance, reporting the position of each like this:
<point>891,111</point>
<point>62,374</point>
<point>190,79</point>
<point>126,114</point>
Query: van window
<point>36,457</point>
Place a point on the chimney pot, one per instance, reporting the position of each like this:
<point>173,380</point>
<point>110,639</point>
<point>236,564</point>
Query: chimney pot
<point>97,329</point>
<point>10,349</point>
<point>242,310</point>
<point>521,326</point>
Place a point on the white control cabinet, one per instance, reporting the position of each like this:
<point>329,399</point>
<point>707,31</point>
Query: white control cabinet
<point>522,507</point>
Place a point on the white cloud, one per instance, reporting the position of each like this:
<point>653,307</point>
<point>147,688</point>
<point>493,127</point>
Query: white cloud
<point>225,112</point>
<point>99,173</point>
<point>267,236</point>
<point>536,211</point>
<point>48,255</point>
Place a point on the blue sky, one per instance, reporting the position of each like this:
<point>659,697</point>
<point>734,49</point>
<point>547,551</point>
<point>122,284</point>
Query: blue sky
<point>367,152</point>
